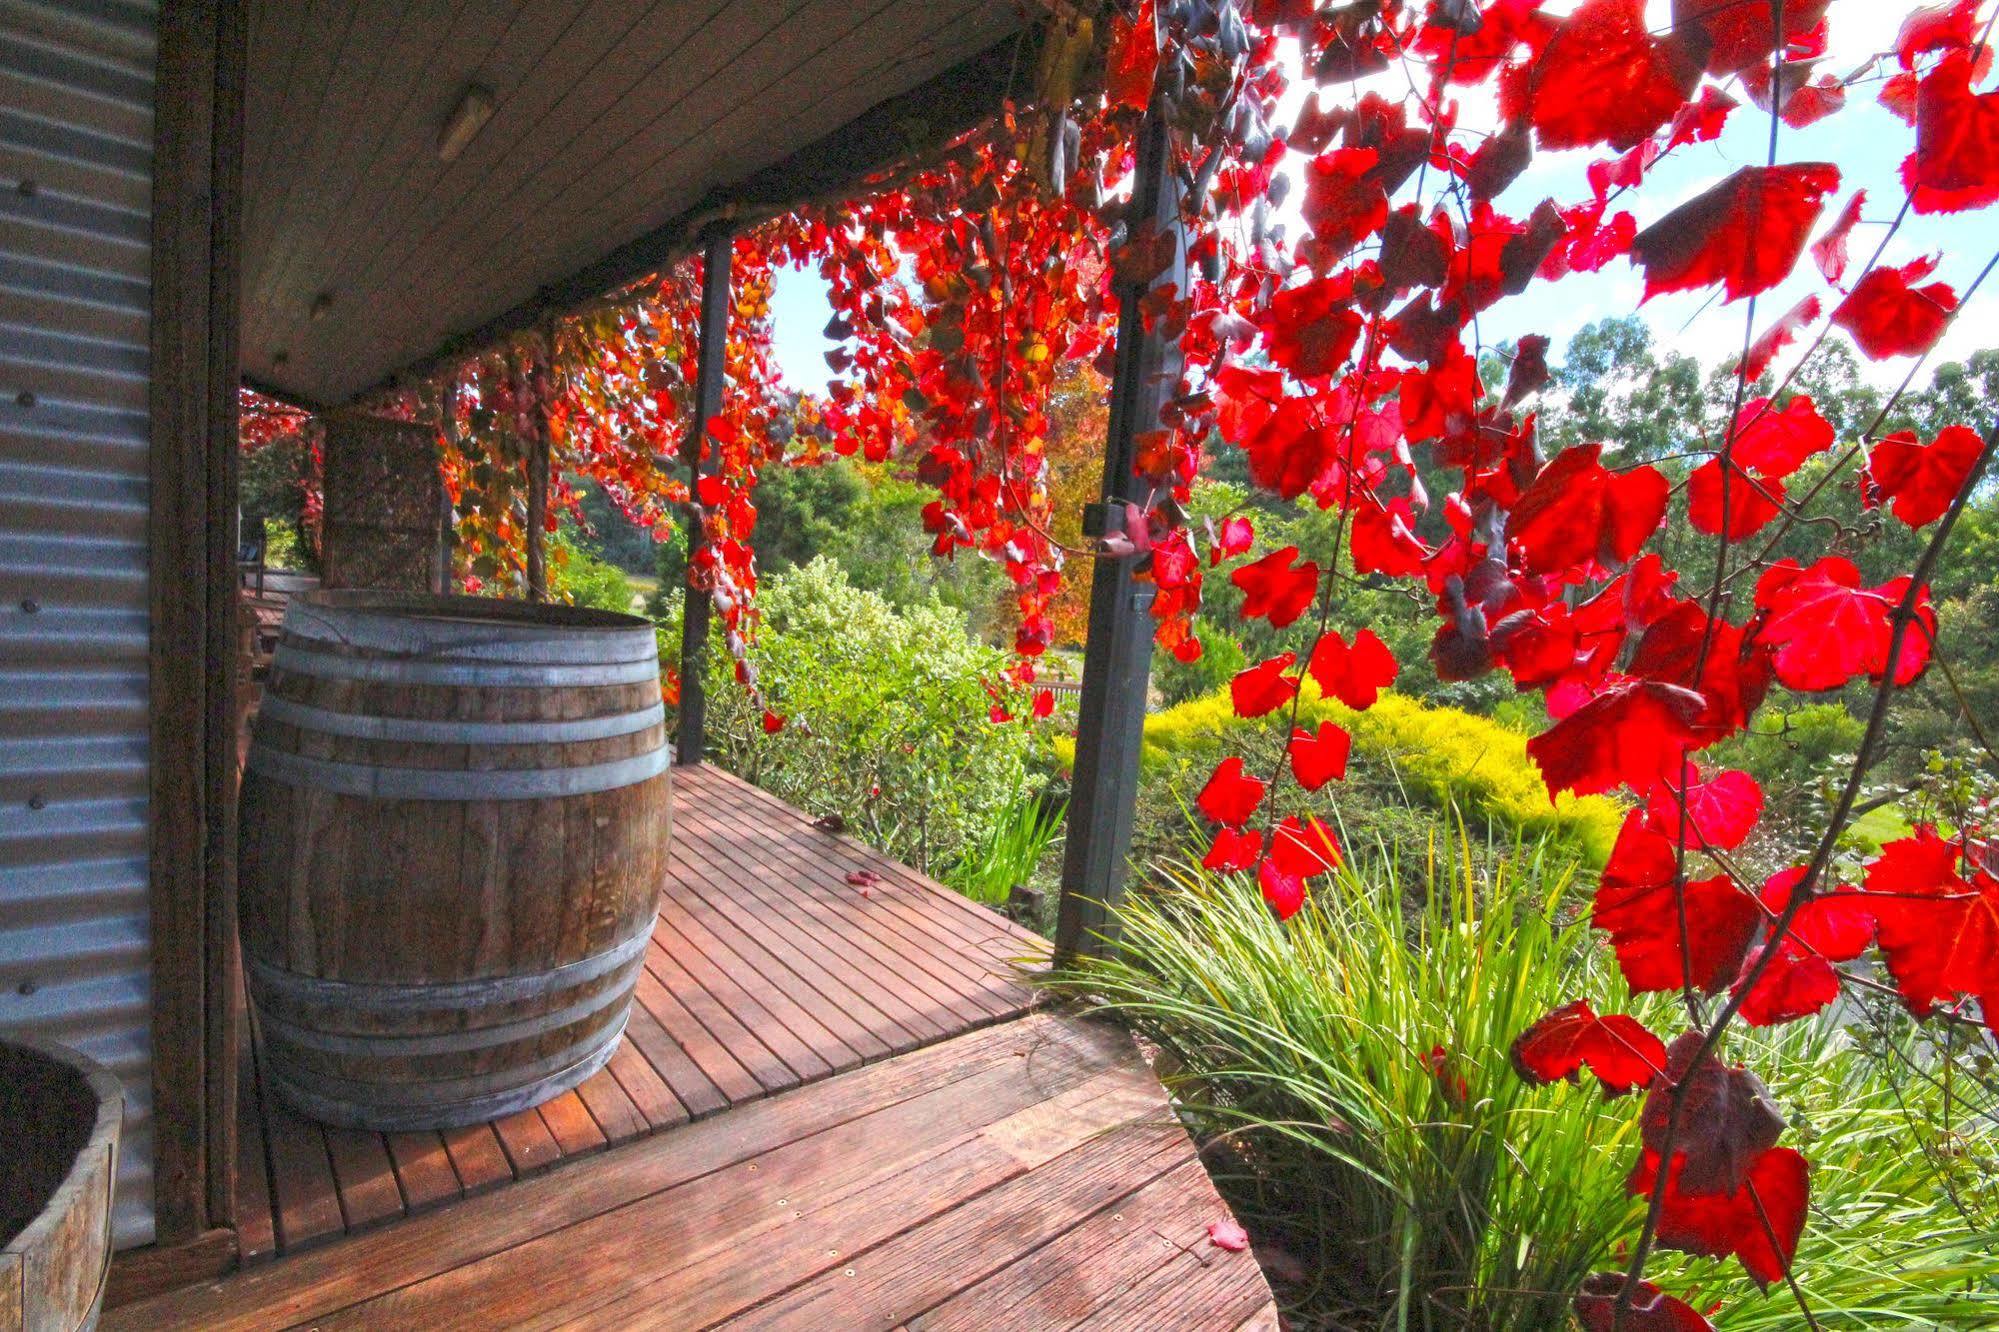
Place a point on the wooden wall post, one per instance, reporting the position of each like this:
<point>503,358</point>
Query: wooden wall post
<point>192,611</point>
<point>691,739</point>
<point>539,375</point>
<point>1117,654</point>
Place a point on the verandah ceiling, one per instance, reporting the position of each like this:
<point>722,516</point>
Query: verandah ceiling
<point>613,120</point>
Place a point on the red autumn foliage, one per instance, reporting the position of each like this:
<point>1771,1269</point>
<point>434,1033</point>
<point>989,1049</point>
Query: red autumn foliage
<point>1759,1223</point>
<point>1231,794</point>
<point>1651,1311</point>
<point>1320,756</point>
<point>1346,365</point>
<point>1890,316</point>
<point>1622,1054</point>
<point>1717,1121</point>
<point>1728,502</point>
<point>1918,481</point>
<point>1745,232</point>
<point>1356,674</point>
<point>1275,589</point>
<point>1636,732</point>
<point>1824,629</point>
<point>1602,78</point>
<point>1580,515</point>
<point>1955,165</point>
<point>1937,922</point>
<point>1776,443</point>
<point>1264,687</point>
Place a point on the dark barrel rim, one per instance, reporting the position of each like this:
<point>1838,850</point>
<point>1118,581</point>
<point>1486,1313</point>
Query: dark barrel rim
<point>402,626</point>
<point>490,610</point>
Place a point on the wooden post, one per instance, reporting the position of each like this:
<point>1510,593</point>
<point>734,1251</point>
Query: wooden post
<point>539,377</point>
<point>1117,655</point>
<point>691,739</point>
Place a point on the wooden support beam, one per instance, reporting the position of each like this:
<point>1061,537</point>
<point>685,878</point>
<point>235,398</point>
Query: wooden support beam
<point>536,369</point>
<point>537,533</point>
<point>692,736</point>
<point>1117,655</point>
<point>192,605</point>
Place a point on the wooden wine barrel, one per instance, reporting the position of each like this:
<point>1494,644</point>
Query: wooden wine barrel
<point>454,830</point>
<point>60,1116</point>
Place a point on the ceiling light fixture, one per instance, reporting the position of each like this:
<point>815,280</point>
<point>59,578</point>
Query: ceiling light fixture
<point>474,109</point>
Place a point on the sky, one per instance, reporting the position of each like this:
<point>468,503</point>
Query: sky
<point>1864,140</point>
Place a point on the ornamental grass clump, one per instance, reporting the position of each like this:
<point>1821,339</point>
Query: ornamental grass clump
<point>1350,1073</point>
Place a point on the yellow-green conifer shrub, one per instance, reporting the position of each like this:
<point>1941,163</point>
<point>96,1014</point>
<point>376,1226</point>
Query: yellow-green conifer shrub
<point>1443,756</point>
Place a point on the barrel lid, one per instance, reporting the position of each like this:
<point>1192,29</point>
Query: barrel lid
<point>472,629</point>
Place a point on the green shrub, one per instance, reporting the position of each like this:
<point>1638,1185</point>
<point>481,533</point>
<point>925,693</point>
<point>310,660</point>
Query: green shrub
<point>581,579</point>
<point>1221,657</point>
<point>989,870</point>
<point>1402,749</point>
<point>885,716</point>
<point>1349,1071</point>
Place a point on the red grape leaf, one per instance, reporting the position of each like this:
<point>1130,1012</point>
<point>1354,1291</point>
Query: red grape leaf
<point>1652,1310</point>
<point>1936,28</point>
<point>1234,850</point>
<point>1634,733</point>
<point>1920,480</point>
<point>1956,162</point>
<point>1824,629</point>
<point>1759,1223</point>
<point>1889,317</point>
<point>1579,513</point>
<point>1829,250</point>
<point>1133,58</point>
<point>1602,78</point>
<point>1748,506</point>
<point>1938,930</point>
<point>1795,984</point>
<point>1320,758</point>
<point>1720,811</point>
<point>1643,923</point>
<point>1728,1118</point>
<point>1344,199</point>
<point>1779,336</point>
<point>1354,675</point>
<point>1283,892</point>
<point>1231,794</point>
<point>1622,1054</point>
<point>1738,36</point>
<point>1264,687</point>
<point>1746,232</point>
<point>1310,329</point>
<point>1384,539</point>
<point>1776,443</point>
<point>1304,847</point>
<point>1228,1234</point>
<point>1837,926</point>
<point>1273,588</point>
<point>1530,368</point>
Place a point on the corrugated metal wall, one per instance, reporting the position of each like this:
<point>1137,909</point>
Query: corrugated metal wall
<point>76,134</point>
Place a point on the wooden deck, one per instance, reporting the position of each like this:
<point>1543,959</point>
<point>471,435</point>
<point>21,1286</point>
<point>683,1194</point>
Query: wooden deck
<point>768,969</point>
<point>1027,1175</point>
<point>959,1162</point>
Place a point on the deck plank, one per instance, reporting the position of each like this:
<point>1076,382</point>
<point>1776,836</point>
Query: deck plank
<point>423,1169</point>
<point>766,970</point>
<point>927,912</point>
<point>874,916</point>
<point>837,929</point>
<point>617,1119</point>
<point>365,1176</point>
<point>321,1281</point>
<point>477,1156</point>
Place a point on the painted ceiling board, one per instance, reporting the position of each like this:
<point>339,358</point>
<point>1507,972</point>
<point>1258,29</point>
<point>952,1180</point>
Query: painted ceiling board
<point>364,252</point>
